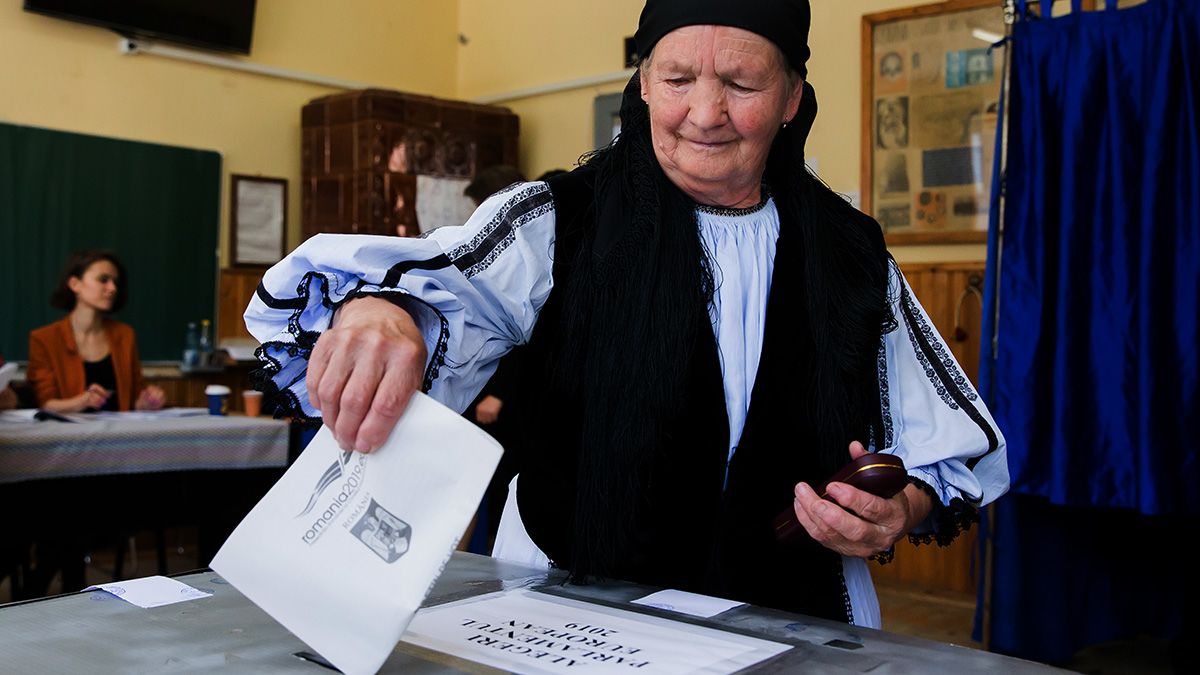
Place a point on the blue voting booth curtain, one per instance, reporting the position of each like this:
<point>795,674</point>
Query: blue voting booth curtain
<point>1094,298</point>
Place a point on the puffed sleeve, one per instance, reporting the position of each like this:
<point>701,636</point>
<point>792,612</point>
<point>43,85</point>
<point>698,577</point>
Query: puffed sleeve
<point>934,419</point>
<point>475,290</point>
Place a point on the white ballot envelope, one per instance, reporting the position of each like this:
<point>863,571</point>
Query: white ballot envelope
<point>344,548</point>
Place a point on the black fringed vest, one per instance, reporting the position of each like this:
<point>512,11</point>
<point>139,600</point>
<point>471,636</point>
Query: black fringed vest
<point>701,533</point>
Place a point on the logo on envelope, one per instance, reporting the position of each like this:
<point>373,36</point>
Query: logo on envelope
<point>331,474</point>
<point>382,532</point>
<point>335,490</point>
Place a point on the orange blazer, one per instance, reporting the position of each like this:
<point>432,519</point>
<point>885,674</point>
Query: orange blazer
<point>56,369</point>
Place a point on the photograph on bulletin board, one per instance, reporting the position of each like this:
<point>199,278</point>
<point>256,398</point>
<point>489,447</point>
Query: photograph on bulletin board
<point>931,92</point>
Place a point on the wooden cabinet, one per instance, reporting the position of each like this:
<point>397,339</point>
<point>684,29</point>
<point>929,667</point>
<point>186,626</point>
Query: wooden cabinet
<point>362,153</point>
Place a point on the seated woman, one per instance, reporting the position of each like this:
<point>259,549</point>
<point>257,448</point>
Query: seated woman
<point>88,361</point>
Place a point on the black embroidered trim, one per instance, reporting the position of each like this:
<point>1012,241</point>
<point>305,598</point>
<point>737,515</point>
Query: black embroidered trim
<point>939,365</point>
<point>889,323</point>
<point>438,358</point>
<point>923,359</point>
<point>504,243</point>
<point>478,254</point>
<point>846,596</point>
<point>735,212</point>
<point>948,520</point>
<point>304,340</point>
<point>885,403</point>
<point>282,400</point>
<point>279,402</point>
<point>884,557</point>
<point>956,389</point>
<point>512,209</point>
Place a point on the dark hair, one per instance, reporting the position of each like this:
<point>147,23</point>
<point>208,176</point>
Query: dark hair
<point>551,174</point>
<point>64,298</point>
<point>492,180</point>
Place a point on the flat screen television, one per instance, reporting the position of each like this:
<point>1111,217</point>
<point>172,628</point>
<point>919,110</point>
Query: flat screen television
<point>222,25</point>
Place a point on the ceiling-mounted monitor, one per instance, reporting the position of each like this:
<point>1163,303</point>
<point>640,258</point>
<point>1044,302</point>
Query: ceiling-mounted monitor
<point>222,25</point>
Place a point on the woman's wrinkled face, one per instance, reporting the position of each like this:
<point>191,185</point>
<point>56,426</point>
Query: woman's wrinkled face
<point>97,288</point>
<point>717,97</point>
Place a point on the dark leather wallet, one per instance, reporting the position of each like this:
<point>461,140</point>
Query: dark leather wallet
<point>880,474</point>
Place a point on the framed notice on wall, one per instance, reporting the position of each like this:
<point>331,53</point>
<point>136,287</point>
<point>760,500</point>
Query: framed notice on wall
<point>258,220</point>
<point>931,92</point>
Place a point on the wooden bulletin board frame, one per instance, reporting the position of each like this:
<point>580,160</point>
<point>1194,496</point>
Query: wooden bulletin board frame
<point>257,220</point>
<point>927,154</point>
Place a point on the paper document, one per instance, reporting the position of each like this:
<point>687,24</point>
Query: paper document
<point>441,202</point>
<point>688,603</point>
<point>21,416</point>
<point>8,372</point>
<point>528,632</point>
<point>343,557</point>
<point>165,413</point>
<point>151,591</point>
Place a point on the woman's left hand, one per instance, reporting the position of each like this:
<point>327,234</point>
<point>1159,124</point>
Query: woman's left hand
<point>859,524</point>
<point>151,398</point>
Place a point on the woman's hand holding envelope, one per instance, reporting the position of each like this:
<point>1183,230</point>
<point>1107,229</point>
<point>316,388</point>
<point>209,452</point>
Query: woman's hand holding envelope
<point>364,370</point>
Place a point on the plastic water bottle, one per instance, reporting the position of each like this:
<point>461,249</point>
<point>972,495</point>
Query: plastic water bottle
<point>205,344</point>
<point>191,347</point>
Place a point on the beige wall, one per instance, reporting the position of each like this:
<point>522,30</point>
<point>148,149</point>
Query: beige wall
<point>527,43</point>
<point>68,76</point>
<point>519,44</point>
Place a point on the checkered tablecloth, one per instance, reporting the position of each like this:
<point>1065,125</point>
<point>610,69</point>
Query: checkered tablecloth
<point>115,445</point>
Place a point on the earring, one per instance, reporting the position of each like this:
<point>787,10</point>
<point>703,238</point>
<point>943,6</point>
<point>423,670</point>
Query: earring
<point>785,125</point>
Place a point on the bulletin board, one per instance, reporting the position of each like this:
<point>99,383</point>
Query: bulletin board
<point>931,93</point>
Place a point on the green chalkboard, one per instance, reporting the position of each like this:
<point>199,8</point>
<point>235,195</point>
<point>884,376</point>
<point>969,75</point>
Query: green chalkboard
<point>156,206</point>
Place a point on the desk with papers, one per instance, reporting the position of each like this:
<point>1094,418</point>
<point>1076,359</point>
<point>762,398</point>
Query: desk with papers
<point>98,632</point>
<point>135,443</point>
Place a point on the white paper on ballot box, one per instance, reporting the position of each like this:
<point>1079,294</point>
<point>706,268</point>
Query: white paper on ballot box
<point>344,559</point>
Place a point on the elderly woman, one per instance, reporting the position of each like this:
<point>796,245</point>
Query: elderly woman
<point>710,330</point>
<point>87,360</point>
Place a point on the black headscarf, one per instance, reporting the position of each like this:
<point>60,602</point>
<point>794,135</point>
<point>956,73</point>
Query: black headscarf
<point>641,289</point>
<point>784,22</point>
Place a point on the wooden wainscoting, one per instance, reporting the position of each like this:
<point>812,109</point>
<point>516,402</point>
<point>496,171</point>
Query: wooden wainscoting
<point>236,287</point>
<point>944,289</point>
<point>187,390</point>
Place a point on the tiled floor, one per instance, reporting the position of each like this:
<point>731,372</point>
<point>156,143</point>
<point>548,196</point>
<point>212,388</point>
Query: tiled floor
<point>935,615</point>
<point>949,617</point>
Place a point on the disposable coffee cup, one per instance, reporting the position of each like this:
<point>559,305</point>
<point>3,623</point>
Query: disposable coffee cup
<point>252,402</point>
<point>218,399</point>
